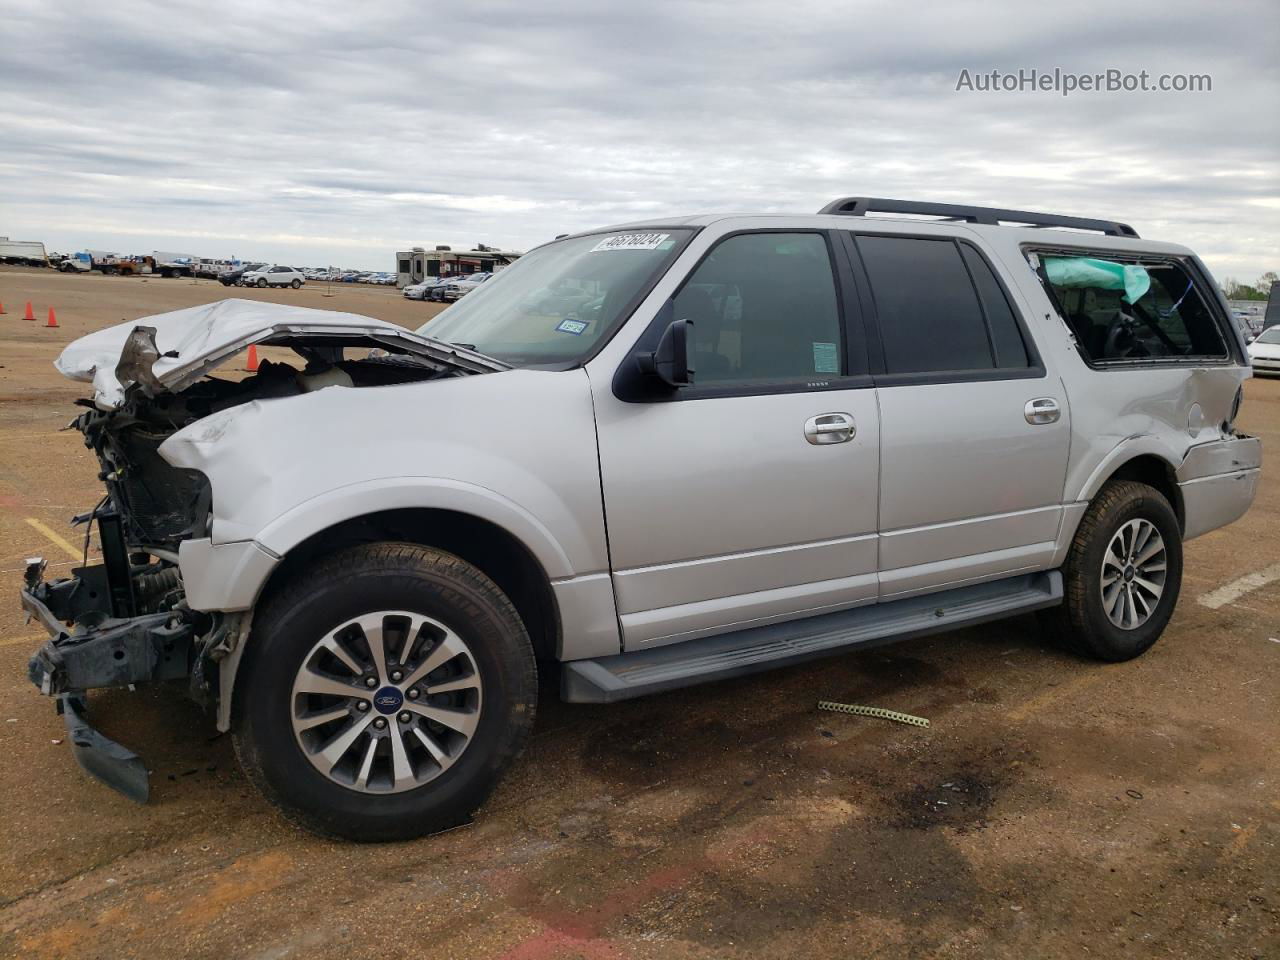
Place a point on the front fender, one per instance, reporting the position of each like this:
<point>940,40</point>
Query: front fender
<point>396,493</point>
<point>515,448</point>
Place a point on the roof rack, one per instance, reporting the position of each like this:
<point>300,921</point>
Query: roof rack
<point>864,206</point>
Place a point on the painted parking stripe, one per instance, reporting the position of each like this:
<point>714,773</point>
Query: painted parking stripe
<point>33,641</point>
<point>1236,589</point>
<point>1082,681</point>
<point>55,539</point>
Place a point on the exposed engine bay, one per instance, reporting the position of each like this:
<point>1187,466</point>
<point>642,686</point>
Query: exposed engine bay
<point>126,620</point>
<point>161,505</point>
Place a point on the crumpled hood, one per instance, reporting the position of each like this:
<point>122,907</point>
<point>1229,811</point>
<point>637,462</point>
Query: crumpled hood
<point>188,343</point>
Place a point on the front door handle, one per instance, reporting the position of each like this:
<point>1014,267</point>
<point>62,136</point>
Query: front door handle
<point>829,428</point>
<point>1042,410</point>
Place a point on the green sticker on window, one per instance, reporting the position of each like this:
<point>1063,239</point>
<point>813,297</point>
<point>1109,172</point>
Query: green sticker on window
<point>824,358</point>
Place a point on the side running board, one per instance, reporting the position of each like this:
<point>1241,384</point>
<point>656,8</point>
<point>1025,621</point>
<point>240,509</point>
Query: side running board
<point>627,675</point>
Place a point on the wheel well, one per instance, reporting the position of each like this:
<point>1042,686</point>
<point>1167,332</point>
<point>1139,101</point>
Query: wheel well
<point>1154,472</point>
<point>500,556</point>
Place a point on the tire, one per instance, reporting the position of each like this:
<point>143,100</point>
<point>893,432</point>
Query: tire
<point>262,282</point>
<point>295,284</point>
<point>1083,623</point>
<point>363,582</point>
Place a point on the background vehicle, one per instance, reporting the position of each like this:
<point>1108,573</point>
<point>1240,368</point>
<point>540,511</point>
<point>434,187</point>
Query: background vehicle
<point>727,443</point>
<point>27,252</point>
<point>84,261</point>
<point>419,291</point>
<point>459,287</point>
<point>1264,351</point>
<point>274,276</point>
<point>236,277</point>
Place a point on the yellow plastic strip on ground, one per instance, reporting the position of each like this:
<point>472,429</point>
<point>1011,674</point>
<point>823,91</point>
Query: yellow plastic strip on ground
<point>878,712</point>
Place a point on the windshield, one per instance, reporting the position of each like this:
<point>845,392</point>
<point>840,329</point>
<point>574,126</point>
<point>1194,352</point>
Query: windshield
<point>1270,335</point>
<point>555,304</point>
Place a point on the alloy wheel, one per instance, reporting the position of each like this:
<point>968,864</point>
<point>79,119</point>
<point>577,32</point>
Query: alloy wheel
<point>1133,574</point>
<point>386,702</point>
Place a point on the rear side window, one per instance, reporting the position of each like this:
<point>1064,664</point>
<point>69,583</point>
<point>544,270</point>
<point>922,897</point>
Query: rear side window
<point>1132,310</point>
<point>939,306</point>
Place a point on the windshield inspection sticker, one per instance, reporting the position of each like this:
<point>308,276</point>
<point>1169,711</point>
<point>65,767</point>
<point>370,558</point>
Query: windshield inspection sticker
<point>824,358</point>
<point>576,327</point>
<point>631,241</point>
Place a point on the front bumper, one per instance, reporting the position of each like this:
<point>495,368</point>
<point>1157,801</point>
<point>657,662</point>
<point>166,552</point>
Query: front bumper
<point>98,650</point>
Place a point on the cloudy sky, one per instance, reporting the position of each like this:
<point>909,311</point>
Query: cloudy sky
<point>317,133</point>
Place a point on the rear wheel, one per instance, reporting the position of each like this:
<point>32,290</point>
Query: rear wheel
<point>295,283</point>
<point>1122,575</point>
<point>384,693</point>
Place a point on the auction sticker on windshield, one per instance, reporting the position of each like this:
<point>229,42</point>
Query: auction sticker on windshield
<point>631,241</point>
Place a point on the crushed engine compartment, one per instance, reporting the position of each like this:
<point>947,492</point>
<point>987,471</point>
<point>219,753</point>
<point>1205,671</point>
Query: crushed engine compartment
<point>160,505</point>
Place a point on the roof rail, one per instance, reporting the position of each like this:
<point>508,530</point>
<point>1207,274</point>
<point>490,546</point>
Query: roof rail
<point>864,206</point>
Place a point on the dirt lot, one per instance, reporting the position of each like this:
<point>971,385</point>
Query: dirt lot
<point>1054,808</point>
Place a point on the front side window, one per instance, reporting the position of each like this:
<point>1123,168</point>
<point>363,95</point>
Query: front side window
<point>1132,309</point>
<point>556,303</point>
<point>764,307</point>
<point>939,306</point>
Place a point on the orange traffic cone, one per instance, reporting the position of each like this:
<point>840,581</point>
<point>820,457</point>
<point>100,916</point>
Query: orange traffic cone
<point>252,365</point>
<point>1,309</point>
<point>53,319</point>
<point>31,314</point>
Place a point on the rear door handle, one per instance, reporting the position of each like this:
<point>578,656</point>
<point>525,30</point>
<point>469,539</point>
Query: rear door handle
<point>829,428</point>
<point>1042,410</point>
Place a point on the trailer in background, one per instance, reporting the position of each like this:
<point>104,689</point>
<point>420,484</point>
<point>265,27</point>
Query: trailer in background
<point>29,253</point>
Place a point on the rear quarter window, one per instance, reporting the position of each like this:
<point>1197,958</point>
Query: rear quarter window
<point>1126,310</point>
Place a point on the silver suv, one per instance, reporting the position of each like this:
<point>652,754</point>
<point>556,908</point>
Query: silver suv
<point>640,458</point>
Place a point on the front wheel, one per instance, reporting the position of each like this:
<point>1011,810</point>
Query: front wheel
<point>262,282</point>
<point>384,693</point>
<point>1122,575</point>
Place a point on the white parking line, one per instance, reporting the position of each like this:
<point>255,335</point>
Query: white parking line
<point>1238,588</point>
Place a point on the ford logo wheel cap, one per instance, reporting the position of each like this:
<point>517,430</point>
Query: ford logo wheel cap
<point>388,700</point>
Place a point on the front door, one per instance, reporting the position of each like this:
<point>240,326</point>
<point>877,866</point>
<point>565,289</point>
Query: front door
<point>750,496</point>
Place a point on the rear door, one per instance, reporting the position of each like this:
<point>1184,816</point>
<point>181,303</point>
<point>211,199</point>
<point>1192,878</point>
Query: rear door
<point>975,433</point>
<point>750,496</point>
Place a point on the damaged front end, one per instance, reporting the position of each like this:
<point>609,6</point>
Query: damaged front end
<point>115,624</point>
<point>126,620</point>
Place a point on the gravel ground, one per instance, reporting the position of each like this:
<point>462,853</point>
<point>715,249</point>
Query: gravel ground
<point>1055,808</point>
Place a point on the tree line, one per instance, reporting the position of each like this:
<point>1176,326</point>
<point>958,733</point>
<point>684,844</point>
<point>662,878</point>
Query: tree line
<point>1260,290</point>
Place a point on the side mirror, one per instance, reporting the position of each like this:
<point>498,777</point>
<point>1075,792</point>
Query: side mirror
<point>672,361</point>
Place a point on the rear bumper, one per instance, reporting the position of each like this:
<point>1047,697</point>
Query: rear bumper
<point>1218,482</point>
